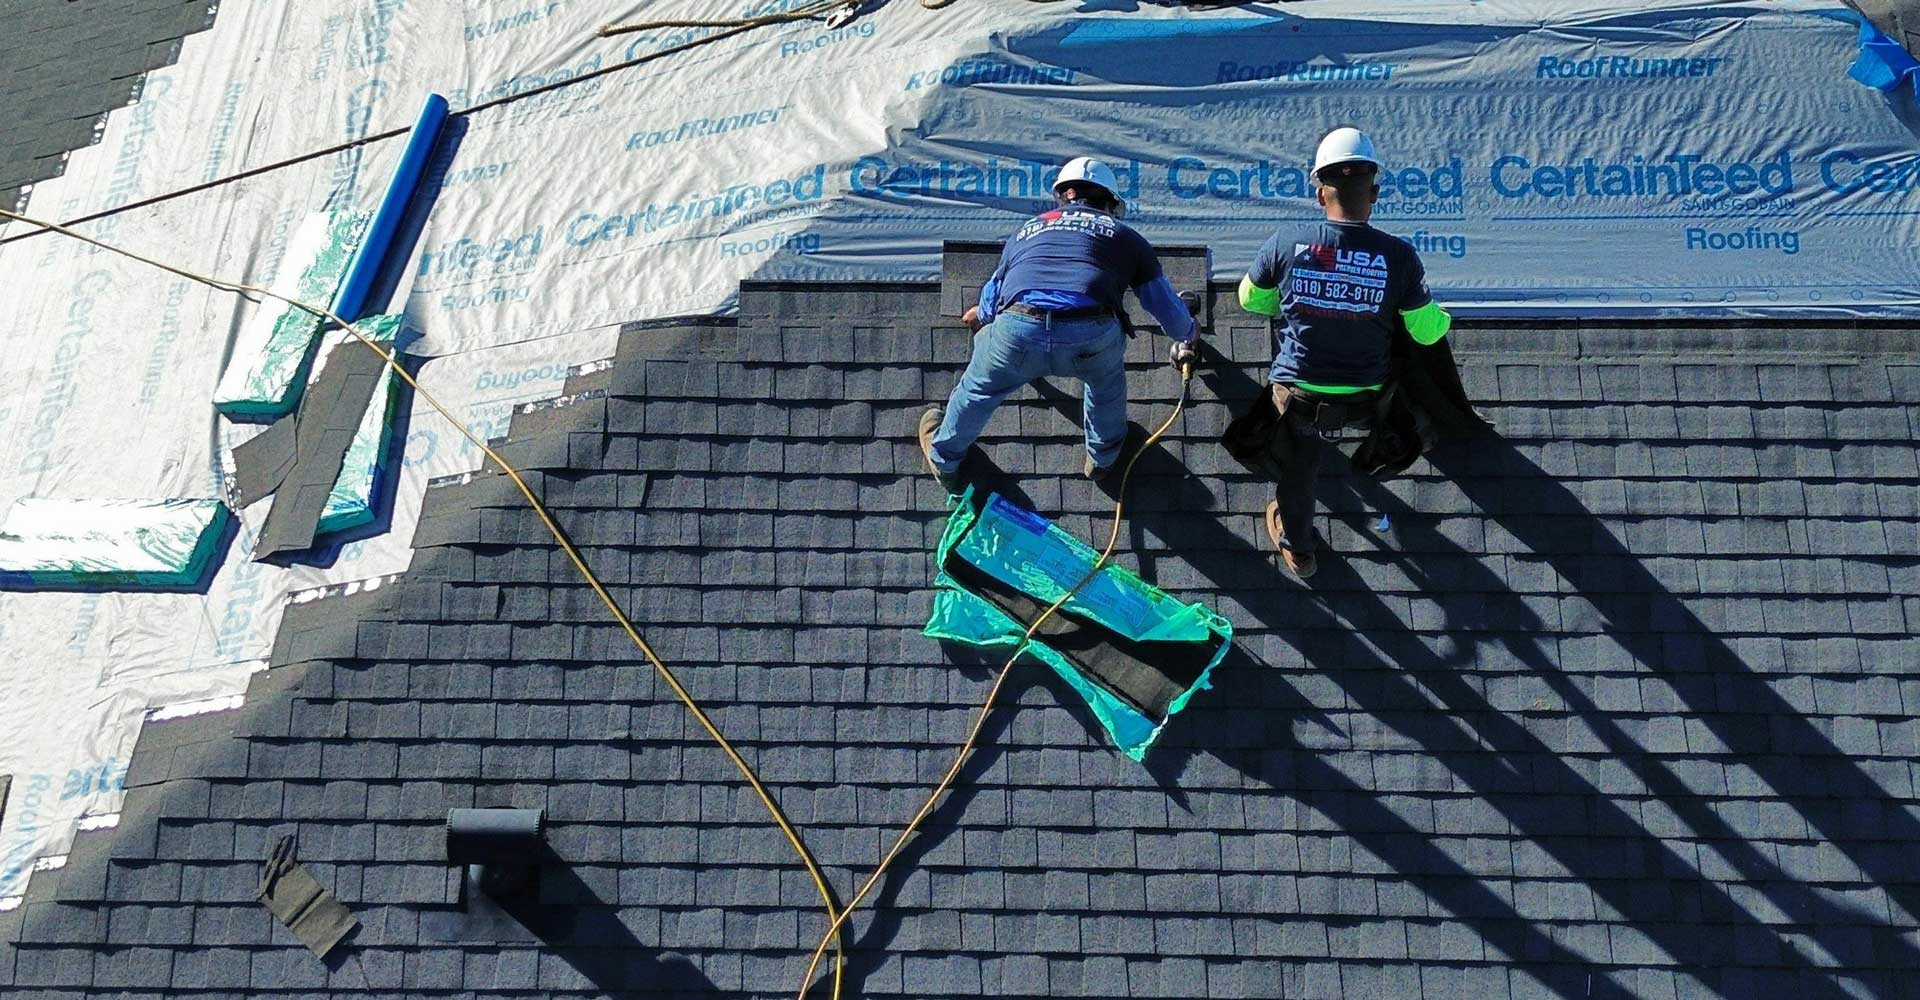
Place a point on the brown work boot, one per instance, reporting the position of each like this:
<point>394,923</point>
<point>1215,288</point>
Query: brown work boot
<point>1097,473</point>
<point>929,424</point>
<point>1299,563</point>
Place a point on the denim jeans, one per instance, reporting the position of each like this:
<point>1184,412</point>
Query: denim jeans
<point>1014,350</point>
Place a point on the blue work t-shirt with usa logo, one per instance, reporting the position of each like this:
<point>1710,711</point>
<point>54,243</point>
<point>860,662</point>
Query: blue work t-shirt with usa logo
<point>1086,253</point>
<point>1342,287</point>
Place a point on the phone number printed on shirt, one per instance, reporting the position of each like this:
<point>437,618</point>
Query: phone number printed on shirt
<point>1352,281</point>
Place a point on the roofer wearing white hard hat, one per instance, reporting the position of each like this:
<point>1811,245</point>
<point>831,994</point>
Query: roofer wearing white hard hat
<point>1052,307</point>
<point>1339,291</point>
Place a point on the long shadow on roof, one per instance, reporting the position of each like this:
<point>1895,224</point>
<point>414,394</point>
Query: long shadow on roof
<point>869,948</point>
<point>877,924</point>
<point>1698,921</point>
<point>586,933</point>
<point>1367,820</point>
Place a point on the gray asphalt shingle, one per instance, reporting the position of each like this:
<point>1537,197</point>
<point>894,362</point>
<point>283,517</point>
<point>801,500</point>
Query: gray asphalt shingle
<point>1619,695</point>
<point>68,65</point>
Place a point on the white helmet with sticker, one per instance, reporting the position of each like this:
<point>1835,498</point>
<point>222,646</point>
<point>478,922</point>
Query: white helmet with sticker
<point>1344,145</point>
<point>1087,170</point>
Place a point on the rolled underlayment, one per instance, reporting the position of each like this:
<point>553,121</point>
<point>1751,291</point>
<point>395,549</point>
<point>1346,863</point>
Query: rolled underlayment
<point>1135,653</point>
<point>54,544</point>
<point>276,348</point>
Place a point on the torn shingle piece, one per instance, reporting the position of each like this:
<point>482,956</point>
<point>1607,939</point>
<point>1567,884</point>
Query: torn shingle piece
<point>329,418</point>
<point>301,903</point>
<point>261,463</point>
<point>367,464</point>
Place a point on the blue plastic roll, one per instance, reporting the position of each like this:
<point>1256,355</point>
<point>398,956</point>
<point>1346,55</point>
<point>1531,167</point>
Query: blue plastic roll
<point>386,221</point>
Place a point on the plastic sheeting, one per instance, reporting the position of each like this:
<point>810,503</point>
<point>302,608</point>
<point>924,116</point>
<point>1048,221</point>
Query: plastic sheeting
<point>354,500</point>
<point>275,350</point>
<point>1545,156</point>
<point>1883,64</point>
<point>1026,551</point>
<point>48,544</point>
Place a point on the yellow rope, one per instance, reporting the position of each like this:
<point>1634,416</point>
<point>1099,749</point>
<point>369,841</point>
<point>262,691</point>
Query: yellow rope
<point>573,555</point>
<point>836,918</point>
<point>993,693</point>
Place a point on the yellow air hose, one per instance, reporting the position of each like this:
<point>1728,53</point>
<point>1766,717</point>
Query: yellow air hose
<point>573,555</point>
<point>993,693</point>
<point>837,918</point>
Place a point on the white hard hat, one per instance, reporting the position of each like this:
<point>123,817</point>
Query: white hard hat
<point>1344,145</point>
<point>1091,171</point>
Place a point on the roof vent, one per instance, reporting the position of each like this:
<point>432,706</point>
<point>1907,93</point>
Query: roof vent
<point>502,849</point>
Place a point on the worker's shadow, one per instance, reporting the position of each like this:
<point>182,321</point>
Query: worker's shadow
<point>1168,510</point>
<point>1409,689</point>
<point>580,924</point>
<point>874,933</point>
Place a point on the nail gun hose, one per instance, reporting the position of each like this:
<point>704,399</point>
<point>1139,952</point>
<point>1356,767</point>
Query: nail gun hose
<point>573,555</point>
<point>972,741</point>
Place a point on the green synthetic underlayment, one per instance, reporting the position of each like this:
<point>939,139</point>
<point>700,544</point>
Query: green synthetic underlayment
<point>275,349</point>
<point>109,543</point>
<point>351,503</point>
<point>1030,554</point>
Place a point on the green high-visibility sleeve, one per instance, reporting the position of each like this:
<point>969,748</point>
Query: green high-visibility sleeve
<point>1427,324</point>
<point>1254,299</point>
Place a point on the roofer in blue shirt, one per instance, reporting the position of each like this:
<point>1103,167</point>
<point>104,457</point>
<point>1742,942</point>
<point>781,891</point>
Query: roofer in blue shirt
<point>1052,307</point>
<point>1339,291</point>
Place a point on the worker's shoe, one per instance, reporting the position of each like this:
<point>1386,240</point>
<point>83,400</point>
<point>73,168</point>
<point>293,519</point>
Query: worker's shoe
<point>1097,473</point>
<point>1300,563</point>
<point>929,425</point>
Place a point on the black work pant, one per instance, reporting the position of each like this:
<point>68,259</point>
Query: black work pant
<point>1298,446</point>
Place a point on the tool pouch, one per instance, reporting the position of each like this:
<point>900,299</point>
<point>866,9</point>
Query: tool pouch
<point>1323,415</point>
<point>1328,417</point>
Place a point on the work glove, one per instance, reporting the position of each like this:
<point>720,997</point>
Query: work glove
<point>1181,353</point>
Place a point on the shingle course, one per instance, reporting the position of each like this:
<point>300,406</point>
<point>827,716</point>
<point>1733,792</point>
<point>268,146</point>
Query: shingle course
<point>1627,687</point>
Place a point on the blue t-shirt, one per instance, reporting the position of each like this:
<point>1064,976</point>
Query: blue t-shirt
<point>1074,256</point>
<point>1342,287</point>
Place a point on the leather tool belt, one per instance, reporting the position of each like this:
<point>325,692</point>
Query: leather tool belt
<point>1328,414</point>
<point>1058,315</point>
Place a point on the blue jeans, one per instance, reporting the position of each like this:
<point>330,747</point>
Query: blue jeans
<point>1014,350</point>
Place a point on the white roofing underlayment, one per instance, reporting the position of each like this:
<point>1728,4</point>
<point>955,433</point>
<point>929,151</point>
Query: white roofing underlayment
<point>1544,157</point>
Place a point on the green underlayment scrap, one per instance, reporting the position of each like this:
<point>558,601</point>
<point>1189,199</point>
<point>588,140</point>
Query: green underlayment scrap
<point>109,543</point>
<point>276,348</point>
<point>1022,550</point>
<point>351,503</point>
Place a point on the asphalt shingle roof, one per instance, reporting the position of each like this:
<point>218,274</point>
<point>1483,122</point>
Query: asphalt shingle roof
<point>1613,704</point>
<point>65,65</point>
